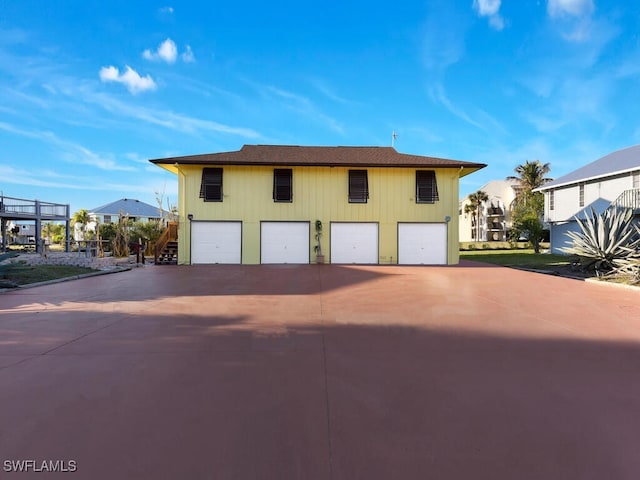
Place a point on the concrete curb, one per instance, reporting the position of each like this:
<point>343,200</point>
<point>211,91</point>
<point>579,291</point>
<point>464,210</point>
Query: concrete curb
<point>66,279</point>
<point>589,279</point>
<point>547,272</point>
<point>614,284</point>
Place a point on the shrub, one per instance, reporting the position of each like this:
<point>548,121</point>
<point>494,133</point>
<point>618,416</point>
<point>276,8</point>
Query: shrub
<point>606,240</point>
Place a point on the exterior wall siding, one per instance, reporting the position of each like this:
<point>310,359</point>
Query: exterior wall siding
<point>598,195</point>
<point>319,193</point>
<point>558,235</point>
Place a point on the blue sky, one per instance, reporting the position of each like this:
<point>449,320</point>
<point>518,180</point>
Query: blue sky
<point>89,91</point>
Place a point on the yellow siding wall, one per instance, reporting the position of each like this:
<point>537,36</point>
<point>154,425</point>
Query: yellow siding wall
<point>319,193</point>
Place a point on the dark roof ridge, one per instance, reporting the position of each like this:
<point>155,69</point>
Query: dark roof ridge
<point>356,156</point>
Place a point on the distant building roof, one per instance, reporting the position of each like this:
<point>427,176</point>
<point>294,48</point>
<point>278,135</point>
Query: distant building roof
<point>128,206</point>
<point>621,161</point>
<point>319,156</point>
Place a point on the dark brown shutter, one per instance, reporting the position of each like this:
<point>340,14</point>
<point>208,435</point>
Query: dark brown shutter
<point>282,185</point>
<point>426,186</point>
<point>358,186</point>
<point>211,185</point>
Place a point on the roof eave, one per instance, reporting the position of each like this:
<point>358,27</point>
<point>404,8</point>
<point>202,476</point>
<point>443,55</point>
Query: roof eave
<point>468,170</point>
<point>172,165</point>
<point>585,179</point>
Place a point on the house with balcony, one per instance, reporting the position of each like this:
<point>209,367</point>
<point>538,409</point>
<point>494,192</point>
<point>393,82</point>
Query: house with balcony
<point>24,218</point>
<point>495,213</point>
<point>613,180</point>
<point>262,204</point>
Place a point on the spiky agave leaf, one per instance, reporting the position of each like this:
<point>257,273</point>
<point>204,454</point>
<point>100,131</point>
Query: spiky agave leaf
<point>627,269</point>
<point>604,238</point>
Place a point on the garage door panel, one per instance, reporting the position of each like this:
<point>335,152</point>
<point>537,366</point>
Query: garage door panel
<point>422,243</point>
<point>354,243</point>
<point>216,242</point>
<point>284,242</point>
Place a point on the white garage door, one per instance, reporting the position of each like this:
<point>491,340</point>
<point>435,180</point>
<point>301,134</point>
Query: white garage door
<point>284,242</point>
<point>354,243</point>
<point>216,242</point>
<point>422,243</point>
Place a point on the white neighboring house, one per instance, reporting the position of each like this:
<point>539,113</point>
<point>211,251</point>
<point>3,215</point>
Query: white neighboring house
<point>137,211</point>
<point>495,215</point>
<point>611,180</point>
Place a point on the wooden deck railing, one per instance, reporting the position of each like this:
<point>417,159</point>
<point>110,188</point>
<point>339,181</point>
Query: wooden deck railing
<point>170,234</point>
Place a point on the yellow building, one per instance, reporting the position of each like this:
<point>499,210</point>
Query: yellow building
<point>277,204</point>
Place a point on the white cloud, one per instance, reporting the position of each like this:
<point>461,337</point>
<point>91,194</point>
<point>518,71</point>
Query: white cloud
<point>443,33</point>
<point>68,151</point>
<point>29,177</point>
<point>581,31</point>
<point>130,79</point>
<point>188,56</point>
<point>574,8</point>
<point>486,8</point>
<point>166,10</point>
<point>166,52</point>
<point>320,85</point>
<point>303,106</point>
<point>496,21</point>
<point>169,119</point>
<point>491,9</point>
<point>438,95</point>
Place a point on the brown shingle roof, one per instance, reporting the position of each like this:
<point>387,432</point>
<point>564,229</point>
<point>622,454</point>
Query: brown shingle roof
<point>318,156</point>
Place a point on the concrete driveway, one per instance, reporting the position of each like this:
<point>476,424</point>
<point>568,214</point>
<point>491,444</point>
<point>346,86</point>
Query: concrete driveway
<point>321,372</point>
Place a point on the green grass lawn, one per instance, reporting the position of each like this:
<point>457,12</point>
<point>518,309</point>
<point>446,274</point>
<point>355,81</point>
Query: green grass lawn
<point>517,258</point>
<point>22,274</point>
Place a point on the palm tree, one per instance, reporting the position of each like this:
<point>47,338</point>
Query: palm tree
<point>527,208</point>
<point>531,175</point>
<point>82,217</point>
<point>471,209</point>
<point>475,207</point>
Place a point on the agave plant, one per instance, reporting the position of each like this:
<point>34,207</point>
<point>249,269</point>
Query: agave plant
<point>628,270</point>
<point>606,240</point>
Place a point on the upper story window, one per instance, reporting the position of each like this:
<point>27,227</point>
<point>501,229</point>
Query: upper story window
<point>211,185</point>
<point>426,186</point>
<point>282,185</point>
<point>581,195</point>
<point>552,200</point>
<point>358,186</point>
<point>636,180</point>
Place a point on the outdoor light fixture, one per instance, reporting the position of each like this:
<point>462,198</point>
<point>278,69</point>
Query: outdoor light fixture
<point>190,216</point>
<point>447,219</point>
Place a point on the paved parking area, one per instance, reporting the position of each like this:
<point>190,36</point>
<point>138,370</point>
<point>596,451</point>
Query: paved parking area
<point>322,372</point>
